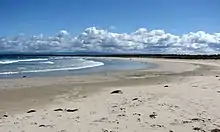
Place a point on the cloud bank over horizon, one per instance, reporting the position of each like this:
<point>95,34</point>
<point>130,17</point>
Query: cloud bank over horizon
<point>99,40</point>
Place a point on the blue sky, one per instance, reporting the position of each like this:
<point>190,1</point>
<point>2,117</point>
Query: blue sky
<point>34,17</point>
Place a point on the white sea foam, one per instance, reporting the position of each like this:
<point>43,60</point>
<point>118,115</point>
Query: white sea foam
<point>22,60</point>
<point>65,57</point>
<point>8,73</point>
<point>47,62</point>
<point>68,68</point>
<point>8,61</point>
<point>22,68</point>
<point>89,64</point>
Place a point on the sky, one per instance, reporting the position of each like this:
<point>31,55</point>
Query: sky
<point>49,16</point>
<point>52,17</point>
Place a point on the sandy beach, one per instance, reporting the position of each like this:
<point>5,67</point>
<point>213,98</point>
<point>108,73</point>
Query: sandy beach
<point>177,96</point>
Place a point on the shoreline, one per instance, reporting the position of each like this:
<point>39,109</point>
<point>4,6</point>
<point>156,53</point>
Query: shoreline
<point>40,91</point>
<point>78,78</point>
<point>91,95</point>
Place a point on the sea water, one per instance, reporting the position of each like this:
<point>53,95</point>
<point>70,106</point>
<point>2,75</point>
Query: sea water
<point>62,66</point>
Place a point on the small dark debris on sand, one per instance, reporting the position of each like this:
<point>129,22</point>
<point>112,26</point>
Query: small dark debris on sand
<point>215,130</point>
<point>218,91</point>
<point>121,115</point>
<point>45,126</point>
<point>166,86</point>
<point>24,76</point>
<point>216,76</point>
<point>33,123</point>
<point>134,99</point>
<point>153,115</point>
<point>104,130</point>
<point>31,111</point>
<point>71,110</point>
<point>185,122</point>
<point>198,129</point>
<point>5,115</point>
<point>157,125</point>
<point>117,92</point>
<point>101,120</point>
<point>122,109</point>
<point>137,114</point>
<point>59,109</point>
<point>197,119</point>
<point>171,131</point>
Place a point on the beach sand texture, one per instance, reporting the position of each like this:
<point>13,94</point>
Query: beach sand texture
<point>177,96</point>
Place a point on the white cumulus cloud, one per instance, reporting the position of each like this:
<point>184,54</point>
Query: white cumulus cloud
<point>99,40</point>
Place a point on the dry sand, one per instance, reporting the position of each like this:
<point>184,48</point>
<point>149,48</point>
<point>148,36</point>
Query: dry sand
<point>177,96</point>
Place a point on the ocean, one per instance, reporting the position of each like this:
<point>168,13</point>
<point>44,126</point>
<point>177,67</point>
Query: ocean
<point>33,66</point>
